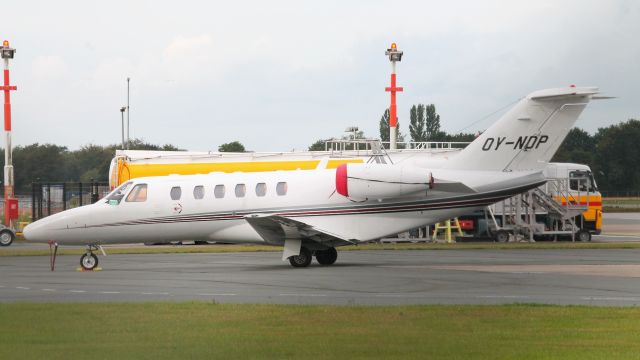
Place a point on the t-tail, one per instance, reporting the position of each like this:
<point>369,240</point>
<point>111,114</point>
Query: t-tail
<point>528,135</point>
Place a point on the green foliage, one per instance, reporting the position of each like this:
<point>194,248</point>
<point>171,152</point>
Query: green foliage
<point>578,147</point>
<point>384,128</point>
<point>53,163</point>
<point>617,156</point>
<point>39,162</point>
<point>612,153</point>
<point>417,124</point>
<point>234,146</point>
<point>319,145</point>
<point>432,124</point>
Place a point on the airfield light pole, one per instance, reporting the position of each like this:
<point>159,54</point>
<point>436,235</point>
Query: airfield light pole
<point>128,111</point>
<point>9,202</point>
<point>394,55</point>
<point>122,109</point>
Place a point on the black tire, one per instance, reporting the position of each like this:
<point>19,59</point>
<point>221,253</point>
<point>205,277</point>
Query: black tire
<point>502,236</point>
<point>302,260</point>
<point>327,257</point>
<point>583,235</point>
<point>6,237</point>
<point>89,261</point>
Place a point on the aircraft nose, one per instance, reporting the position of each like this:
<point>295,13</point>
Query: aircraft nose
<point>34,232</point>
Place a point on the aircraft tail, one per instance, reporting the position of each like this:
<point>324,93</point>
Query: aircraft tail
<point>528,135</point>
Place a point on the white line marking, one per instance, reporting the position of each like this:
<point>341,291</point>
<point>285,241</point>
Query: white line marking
<point>611,298</point>
<point>77,291</point>
<point>309,295</point>
<point>155,293</point>
<point>48,289</point>
<point>216,294</point>
<point>503,296</point>
<point>391,295</point>
<point>109,292</point>
<point>22,288</point>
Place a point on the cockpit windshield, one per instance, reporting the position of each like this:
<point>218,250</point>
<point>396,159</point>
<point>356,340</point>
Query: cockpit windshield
<point>116,195</point>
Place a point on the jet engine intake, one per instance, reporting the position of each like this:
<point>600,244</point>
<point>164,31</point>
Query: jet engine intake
<point>381,181</point>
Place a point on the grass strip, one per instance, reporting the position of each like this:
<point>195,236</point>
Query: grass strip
<point>224,331</point>
<point>373,246</point>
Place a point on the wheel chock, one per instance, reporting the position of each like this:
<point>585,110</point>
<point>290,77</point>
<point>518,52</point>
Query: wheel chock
<point>81,269</point>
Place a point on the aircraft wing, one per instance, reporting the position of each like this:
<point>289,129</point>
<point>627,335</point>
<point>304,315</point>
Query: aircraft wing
<point>275,229</point>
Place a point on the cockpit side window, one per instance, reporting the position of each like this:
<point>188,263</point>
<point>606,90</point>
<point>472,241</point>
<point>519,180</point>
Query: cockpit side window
<point>138,194</point>
<point>116,196</point>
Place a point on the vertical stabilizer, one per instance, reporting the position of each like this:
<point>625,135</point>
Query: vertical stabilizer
<point>528,135</point>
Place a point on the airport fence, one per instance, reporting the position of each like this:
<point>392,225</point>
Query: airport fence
<point>621,194</point>
<point>53,197</point>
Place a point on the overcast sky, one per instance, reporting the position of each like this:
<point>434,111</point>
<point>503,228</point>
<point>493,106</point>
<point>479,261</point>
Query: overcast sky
<point>278,75</point>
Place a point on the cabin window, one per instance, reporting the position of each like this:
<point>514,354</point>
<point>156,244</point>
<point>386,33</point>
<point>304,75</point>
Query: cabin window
<point>241,190</point>
<point>176,193</point>
<point>138,194</point>
<point>261,189</point>
<point>198,192</point>
<point>116,196</point>
<point>218,191</point>
<point>281,188</point>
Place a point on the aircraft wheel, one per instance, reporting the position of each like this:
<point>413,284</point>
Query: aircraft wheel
<point>502,236</point>
<point>302,260</point>
<point>89,261</point>
<point>327,257</point>
<point>6,237</point>
<point>583,235</point>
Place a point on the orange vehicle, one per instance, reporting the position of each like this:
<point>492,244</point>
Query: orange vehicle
<point>582,191</point>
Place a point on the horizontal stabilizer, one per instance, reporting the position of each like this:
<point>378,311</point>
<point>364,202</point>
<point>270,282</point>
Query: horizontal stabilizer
<point>450,186</point>
<point>562,93</point>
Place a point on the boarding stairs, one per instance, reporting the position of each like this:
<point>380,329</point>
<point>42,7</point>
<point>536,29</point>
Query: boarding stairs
<point>560,205</point>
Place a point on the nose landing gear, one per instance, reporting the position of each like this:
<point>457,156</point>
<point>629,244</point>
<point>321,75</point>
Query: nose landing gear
<point>89,261</point>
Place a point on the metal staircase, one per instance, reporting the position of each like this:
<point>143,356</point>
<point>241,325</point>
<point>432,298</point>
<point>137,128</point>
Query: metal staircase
<point>556,199</point>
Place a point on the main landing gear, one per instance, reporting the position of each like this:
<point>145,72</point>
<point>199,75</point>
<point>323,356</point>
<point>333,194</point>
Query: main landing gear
<point>324,257</point>
<point>89,261</point>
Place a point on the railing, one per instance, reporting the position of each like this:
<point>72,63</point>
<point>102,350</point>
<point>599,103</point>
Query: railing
<point>367,145</point>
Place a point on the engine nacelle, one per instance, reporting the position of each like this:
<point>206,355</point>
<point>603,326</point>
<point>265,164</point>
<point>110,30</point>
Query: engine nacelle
<point>376,181</point>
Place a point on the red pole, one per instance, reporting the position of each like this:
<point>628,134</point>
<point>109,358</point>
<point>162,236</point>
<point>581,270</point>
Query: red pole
<point>7,53</point>
<point>7,100</point>
<point>393,115</point>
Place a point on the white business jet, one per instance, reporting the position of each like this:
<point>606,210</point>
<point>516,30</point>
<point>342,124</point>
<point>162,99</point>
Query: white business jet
<point>311,212</point>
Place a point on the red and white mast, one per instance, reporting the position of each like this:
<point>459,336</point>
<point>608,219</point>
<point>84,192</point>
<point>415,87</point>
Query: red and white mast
<point>9,201</point>
<point>394,56</point>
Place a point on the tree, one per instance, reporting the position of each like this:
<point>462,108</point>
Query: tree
<point>318,145</point>
<point>417,123</point>
<point>234,146</point>
<point>44,162</point>
<point>432,123</point>
<point>578,147</point>
<point>617,160</point>
<point>384,128</point>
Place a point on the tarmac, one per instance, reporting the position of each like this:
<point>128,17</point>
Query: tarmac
<point>558,276</point>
